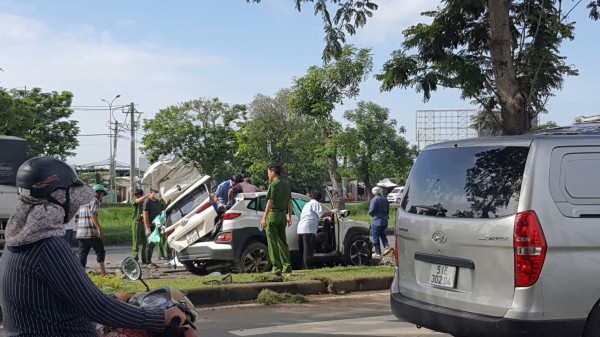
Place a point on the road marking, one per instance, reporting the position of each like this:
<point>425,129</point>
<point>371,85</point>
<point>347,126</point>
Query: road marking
<point>367,326</point>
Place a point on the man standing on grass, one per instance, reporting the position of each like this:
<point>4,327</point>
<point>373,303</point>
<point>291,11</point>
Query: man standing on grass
<point>279,196</point>
<point>152,208</point>
<point>137,227</point>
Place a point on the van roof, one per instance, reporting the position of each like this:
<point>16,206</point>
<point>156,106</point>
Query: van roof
<point>577,130</point>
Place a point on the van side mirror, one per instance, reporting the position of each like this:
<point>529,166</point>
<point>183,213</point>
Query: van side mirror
<point>344,213</point>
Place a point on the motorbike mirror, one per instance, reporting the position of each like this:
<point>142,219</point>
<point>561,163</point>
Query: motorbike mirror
<point>132,269</point>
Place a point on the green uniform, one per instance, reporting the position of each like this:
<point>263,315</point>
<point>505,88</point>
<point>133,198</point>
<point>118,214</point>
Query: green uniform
<point>280,194</point>
<point>138,232</point>
<point>163,246</point>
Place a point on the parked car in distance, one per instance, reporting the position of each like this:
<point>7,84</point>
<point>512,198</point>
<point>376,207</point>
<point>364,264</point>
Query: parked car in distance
<point>500,236</point>
<point>396,194</point>
<point>205,242</point>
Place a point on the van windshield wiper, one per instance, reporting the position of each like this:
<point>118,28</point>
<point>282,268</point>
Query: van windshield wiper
<point>431,210</point>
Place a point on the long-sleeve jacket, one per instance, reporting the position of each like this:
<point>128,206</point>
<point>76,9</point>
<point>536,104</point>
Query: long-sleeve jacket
<point>379,210</point>
<point>44,291</point>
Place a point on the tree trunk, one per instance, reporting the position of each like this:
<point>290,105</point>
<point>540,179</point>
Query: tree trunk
<point>337,198</point>
<point>512,102</point>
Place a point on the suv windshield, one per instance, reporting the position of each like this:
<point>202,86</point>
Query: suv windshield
<point>466,182</point>
<point>187,204</point>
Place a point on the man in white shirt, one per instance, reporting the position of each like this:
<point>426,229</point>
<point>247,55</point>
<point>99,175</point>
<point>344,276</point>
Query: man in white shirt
<point>312,212</point>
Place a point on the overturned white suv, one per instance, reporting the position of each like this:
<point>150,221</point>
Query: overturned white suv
<point>205,241</point>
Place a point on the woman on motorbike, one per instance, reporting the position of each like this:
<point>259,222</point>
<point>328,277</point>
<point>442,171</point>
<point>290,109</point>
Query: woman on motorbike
<point>44,290</point>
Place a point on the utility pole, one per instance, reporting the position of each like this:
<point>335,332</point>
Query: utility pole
<point>132,170</point>
<point>113,165</point>
<point>110,157</point>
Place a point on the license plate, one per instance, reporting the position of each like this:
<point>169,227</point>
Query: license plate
<point>441,275</point>
<point>192,236</point>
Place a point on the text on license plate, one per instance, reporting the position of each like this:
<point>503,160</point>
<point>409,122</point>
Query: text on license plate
<point>442,275</point>
<point>192,236</point>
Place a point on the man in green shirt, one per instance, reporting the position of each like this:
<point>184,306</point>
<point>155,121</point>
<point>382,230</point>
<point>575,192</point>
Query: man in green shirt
<point>279,196</point>
<point>138,232</point>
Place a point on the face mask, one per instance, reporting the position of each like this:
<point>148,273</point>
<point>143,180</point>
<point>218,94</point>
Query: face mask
<point>70,202</point>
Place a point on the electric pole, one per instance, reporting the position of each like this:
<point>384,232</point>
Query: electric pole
<point>132,170</point>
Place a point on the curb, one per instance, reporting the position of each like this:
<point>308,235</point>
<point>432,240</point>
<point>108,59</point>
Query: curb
<point>249,292</point>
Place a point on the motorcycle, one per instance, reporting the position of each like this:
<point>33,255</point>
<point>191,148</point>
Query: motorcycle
<point>161,298</point>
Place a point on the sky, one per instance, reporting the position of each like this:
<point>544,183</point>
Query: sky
<point>157,54</point>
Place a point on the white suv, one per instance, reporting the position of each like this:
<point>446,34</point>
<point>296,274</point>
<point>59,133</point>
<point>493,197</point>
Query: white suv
<point>206,241</point>
<point>501,236</point>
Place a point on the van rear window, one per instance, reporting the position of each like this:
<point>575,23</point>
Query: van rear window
<point>466,182</point>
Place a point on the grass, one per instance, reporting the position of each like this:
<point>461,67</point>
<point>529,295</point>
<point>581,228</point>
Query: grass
<point>111,284</point>
<point>269,297</point>
<point>360,212</point>
<point>116,220</point>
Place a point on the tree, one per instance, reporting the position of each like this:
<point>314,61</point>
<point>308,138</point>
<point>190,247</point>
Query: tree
<point>201,131</point>
<point>316,95</point>
<point>42,119</point>
<point>501,54</point>
<point>273,134</point>
<point>350,14</point>
<point>374,147</point>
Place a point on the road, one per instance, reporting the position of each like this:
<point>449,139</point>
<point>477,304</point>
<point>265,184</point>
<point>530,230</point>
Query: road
<point>361,314</point>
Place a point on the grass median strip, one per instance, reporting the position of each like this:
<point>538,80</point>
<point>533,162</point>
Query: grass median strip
<point>111,284</point>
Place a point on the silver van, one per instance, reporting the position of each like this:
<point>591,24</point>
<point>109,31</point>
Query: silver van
<point>500,236</point>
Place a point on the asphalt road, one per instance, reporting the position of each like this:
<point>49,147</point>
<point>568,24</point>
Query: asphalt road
<point>360,314</point>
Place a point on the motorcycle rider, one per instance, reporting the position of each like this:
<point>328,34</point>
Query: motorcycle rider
<point>60,298</point>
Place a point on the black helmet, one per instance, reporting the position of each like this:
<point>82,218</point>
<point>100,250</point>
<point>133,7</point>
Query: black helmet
<point>43,175</point>
<point>238,178</point>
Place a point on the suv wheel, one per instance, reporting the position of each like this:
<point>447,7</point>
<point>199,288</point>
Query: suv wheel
<point>358,251</point>
<point>398,201</point>
<point>254,259</point>
<point>194,268</point>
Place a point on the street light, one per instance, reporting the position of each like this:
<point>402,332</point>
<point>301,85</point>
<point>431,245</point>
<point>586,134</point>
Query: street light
<point>111,173</point>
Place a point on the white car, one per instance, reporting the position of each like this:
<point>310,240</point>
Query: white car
<point>396,194</point>
<point>204,243</point>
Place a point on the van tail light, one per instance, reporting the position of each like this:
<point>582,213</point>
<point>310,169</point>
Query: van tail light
<point>169,230</point>
<point>229,216</point>
<point>530,249</point>
<point>204,207</point>
<point>396,247</point>
<point>223,237</point>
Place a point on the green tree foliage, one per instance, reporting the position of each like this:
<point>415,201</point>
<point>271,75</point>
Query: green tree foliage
<point>42,119</point>
<point>316,95</point>
<point>512,68</point>
<point>349,15</point>
<point>274,135</point>
<point>374,147</point>
<point>501,54</point>
<point>201,131</point>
